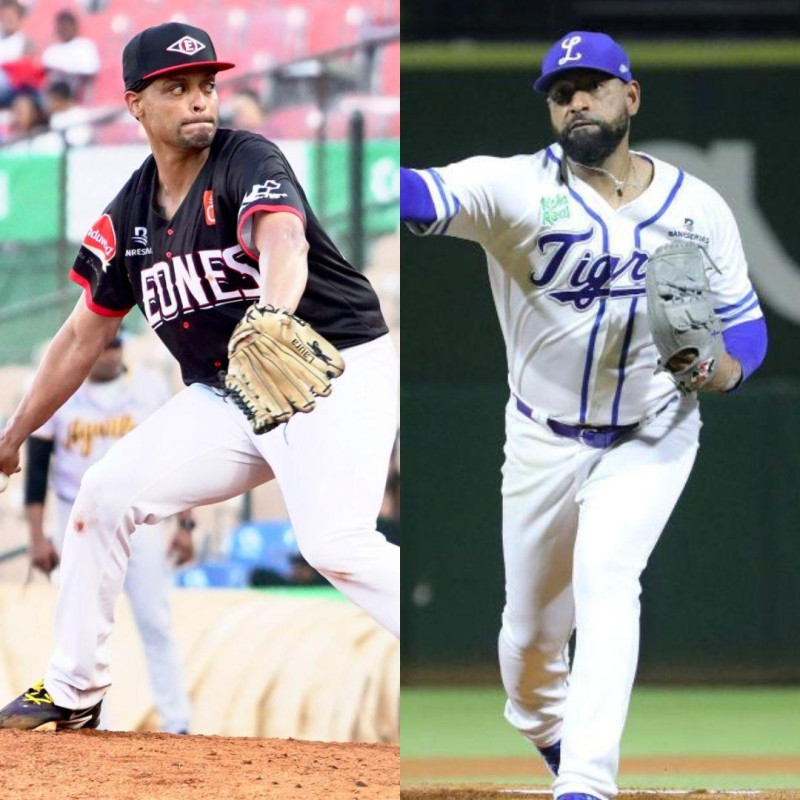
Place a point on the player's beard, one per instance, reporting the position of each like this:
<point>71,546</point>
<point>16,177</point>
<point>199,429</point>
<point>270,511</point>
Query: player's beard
<point>594,144</point>
<point>196,140</point>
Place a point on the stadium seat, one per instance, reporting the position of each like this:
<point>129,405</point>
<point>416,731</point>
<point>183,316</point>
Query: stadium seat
<point>213,575</point>
<point>266,544</point>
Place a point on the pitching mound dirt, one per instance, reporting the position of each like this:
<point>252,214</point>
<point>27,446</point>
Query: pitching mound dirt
<point>93,765</point>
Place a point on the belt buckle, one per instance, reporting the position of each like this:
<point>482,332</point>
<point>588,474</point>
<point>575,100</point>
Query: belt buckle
<point>583,433</point>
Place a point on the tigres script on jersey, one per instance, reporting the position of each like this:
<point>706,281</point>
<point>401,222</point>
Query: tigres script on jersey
<point>193,276</point>
<point>567,275</point>
<point>93,419</point>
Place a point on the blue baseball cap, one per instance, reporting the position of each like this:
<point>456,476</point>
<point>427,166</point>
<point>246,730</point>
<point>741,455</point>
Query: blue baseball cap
<point>584,50</point>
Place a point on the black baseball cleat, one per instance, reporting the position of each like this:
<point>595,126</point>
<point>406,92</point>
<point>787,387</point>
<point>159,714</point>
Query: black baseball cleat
<point>35,709</point>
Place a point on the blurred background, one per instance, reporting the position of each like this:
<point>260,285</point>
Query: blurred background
<point>322,79</point>
<point>720,658</point>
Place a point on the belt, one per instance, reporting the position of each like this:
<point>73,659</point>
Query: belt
<point>599,436</point>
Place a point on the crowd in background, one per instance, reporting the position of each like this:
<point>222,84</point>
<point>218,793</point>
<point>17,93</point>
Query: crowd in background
<point>47,90</point>
<point>51,91</point>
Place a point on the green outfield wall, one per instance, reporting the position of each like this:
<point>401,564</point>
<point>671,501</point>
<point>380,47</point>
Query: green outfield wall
<point>721,600</point>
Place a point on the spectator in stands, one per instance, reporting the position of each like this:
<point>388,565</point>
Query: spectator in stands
<point>14,42</point>
<point>74,59</point>
<point>66,115</point>
<point>245,111</point>
<point>27,115</point>
<point>19,69</point>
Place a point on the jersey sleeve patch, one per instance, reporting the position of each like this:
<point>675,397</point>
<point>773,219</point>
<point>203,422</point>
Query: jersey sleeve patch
<point>99,268</point>
<point>101,240</point>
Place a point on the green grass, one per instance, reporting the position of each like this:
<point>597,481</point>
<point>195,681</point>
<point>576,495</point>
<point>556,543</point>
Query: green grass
<point>664,54</point>
<point>701,722</point>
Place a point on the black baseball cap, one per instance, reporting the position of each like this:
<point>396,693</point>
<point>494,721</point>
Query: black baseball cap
<point>166,48</point>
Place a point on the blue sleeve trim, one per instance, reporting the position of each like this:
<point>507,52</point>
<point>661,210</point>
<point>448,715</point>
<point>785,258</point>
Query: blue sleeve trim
<point>747,343</point>
<point>416,203</point>
<point>725,309</point>
<point>450,208</point>
<point>741,313</point>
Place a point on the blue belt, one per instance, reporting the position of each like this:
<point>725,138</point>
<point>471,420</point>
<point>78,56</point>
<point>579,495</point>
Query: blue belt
<point>591,435</point>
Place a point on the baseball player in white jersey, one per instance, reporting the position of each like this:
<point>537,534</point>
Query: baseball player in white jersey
<point>107,406</point>
<point>213,228</point>
<point>600,441</point>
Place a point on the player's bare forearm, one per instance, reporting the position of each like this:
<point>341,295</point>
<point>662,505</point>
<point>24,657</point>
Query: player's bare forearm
<point>727,375</point>
<point>42,554</point>
<point>283,258</point>
<point>65,365</point>
<point>35,515</point>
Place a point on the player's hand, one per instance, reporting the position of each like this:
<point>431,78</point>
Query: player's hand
<point>181,548</point>
<point>43,555</point>
<point>9,457</point>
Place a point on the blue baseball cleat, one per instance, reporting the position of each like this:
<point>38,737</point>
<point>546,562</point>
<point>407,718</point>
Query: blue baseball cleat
<point>36,709</point>
<point>552,756</point>
<point>577,796</point>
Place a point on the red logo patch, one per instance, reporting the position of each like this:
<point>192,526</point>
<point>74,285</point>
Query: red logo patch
<point>102,240</point>
<point>208,207</point>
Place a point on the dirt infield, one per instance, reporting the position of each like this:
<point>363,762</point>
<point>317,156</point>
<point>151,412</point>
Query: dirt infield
<point>517,793</point>
<point>512,767</point>
<point>90,765</point>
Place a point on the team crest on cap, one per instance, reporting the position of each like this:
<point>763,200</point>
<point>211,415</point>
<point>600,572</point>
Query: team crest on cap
<point>186,45</point>
<point>102,241</point>
<point>568,45</point>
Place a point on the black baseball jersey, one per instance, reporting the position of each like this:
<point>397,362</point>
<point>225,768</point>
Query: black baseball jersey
<point>193,276</point>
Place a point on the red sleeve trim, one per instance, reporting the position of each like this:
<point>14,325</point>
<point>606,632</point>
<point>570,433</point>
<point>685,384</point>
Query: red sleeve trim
<point>269,209</point>
<point>87,296</point>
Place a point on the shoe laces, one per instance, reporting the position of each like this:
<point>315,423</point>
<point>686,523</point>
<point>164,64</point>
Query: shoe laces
<point>38,695</point>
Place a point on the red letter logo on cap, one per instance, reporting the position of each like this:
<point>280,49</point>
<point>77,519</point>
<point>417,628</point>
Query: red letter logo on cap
<point>187,45</point>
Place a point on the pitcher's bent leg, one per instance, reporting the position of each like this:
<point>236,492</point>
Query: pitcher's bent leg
<point>194,450</point>
<point>331,466</point>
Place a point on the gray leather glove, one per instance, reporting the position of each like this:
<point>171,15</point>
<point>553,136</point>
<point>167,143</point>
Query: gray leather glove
<point>680,312</point>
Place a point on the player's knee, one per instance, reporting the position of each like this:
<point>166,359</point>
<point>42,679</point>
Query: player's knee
<point>338,552</point>
<point>530,638</point>
<point>100,496</point>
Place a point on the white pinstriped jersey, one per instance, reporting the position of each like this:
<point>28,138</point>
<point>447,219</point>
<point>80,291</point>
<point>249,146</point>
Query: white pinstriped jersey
<point>93,419</point>
<point>567,275</point>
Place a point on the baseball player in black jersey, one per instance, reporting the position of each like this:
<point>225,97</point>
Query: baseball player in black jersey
<point>211,224</point>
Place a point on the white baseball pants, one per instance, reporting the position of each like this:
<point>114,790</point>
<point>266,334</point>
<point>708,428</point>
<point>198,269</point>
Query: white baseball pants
<point>147,584</point>
<point>331,466</point>
<point>579,525</point>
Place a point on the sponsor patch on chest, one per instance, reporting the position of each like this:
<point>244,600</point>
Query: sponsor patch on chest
<point>689,234</point>
<point>208,207</point>
<point>553,209</point>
